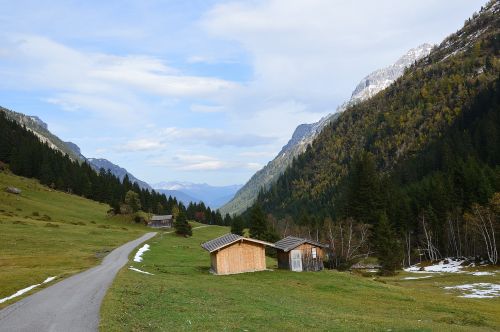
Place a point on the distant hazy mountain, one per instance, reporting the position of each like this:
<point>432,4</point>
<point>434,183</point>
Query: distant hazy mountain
<point>213,196</point>
<point>304,134</point>
<point>41,130</point>
<point>179,195</point>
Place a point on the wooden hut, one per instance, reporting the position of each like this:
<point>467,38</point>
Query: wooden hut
<point>299,254</point>
<point>233,253</point>
<point>162,221</point>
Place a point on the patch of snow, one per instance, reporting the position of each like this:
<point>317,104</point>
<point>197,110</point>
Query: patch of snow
<point>372,270</point>
<point>479,290</point>
<point>414,278</point>
<point>138,255</point>
<point>24,290</point>
<point>482,273</point>
<point>140,271</point>
<point>446,265</point>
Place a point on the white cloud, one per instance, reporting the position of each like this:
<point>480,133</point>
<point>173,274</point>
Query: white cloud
<point>142,144</point>
<point>197,108</point>
<point>195,163</point>
<point>214,137</point>
<point>99,82</point>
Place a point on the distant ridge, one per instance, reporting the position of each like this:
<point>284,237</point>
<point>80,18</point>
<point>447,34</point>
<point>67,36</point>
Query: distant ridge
<point>41,130</point>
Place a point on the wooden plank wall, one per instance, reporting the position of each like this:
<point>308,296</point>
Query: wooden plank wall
<point>242,256</point>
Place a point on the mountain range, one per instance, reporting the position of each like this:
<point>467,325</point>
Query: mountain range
<point>305,134</point>
<point>213,196</point>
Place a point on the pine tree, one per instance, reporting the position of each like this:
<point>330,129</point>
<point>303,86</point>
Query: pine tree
<point>181,225</point>
<point>387,246</point>
<point>257,223</point>
<point>237,226</point>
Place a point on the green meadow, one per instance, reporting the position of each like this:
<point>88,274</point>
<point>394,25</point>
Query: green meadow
<point>46,233</point>
<point>183,295</point>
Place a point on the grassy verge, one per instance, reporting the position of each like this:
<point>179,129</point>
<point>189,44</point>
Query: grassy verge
<point>183,295</point>
<point>48,233</point>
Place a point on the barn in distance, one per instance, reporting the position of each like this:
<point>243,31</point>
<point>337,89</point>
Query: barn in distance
<point>299,254</point>
<point>166,221</point>
<point>231,253</point>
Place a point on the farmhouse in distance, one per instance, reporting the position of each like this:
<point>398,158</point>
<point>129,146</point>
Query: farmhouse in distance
<point>162,221</point>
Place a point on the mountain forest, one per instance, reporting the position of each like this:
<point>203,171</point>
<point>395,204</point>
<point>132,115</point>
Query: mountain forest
<point>415,168</point>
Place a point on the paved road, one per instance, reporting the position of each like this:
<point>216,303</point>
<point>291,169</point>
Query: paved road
<point>72,304</point>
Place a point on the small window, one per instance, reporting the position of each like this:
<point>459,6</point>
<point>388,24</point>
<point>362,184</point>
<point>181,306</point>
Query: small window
<point>313,251</point>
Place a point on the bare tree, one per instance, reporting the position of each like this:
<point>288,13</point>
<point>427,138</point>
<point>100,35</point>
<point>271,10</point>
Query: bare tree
<point>484,221</point>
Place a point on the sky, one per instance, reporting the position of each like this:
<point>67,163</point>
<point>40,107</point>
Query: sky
<point>201,91</point>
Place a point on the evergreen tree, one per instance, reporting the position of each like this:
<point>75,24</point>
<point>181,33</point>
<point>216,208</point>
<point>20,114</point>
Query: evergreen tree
<point>181,225</point>
<point>238,226</point>
<point>387,246</point>
<point>257,223</point>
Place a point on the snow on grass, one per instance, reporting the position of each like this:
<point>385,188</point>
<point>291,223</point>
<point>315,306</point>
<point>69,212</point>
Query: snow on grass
<point>446,265</point>
<point>415,278</point>
<point>481,290</point>
<point>138,255</point>
<point>482,273</point>
<point>24,290</point>
<point>140,271</point>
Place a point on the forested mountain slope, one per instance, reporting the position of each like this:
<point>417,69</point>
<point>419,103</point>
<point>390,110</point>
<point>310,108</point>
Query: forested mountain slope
<point>426,148</point>
<point>305,134</point>
<point>41,130</point>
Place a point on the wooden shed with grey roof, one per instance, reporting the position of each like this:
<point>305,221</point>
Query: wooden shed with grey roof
<point>298,254</point>
<point>233,253</point>
<point>162,221</point>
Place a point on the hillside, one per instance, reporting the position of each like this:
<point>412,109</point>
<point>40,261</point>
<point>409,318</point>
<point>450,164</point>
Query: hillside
<point>421,151</point>
<point>46,233</point>
<point>41,130</point>
<point>305,134</point>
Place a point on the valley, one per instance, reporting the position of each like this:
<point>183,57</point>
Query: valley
<point>371,210</point>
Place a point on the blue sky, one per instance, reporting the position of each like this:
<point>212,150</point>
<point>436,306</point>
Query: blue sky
<point>201,91</point>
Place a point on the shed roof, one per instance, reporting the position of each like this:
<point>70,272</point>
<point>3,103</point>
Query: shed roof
<point>228,239</point>
<point>291,242</point>
<point>156,218</point>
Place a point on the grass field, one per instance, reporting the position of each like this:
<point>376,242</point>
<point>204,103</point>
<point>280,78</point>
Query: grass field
<point>47,233</point>
<point>183,295</point>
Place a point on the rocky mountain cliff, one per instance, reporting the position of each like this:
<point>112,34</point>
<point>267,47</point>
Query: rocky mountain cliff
<point>305,134</point>
<point>41,130</point>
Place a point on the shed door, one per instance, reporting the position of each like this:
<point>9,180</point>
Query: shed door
<point>296,258</point>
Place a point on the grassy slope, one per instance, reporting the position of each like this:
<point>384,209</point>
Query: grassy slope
<point>182,295</point>
<point>77,235</point>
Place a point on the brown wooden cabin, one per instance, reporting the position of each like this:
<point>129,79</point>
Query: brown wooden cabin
<point>233,253</point>
<point>162,221</point>
<point>299,254</point>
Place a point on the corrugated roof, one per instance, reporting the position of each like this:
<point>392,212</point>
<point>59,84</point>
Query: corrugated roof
<point>156,218</point>
<point>228,239</point>
<point>291,242</point>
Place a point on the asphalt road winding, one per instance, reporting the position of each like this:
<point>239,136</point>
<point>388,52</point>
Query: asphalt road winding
<point>72,304</point>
